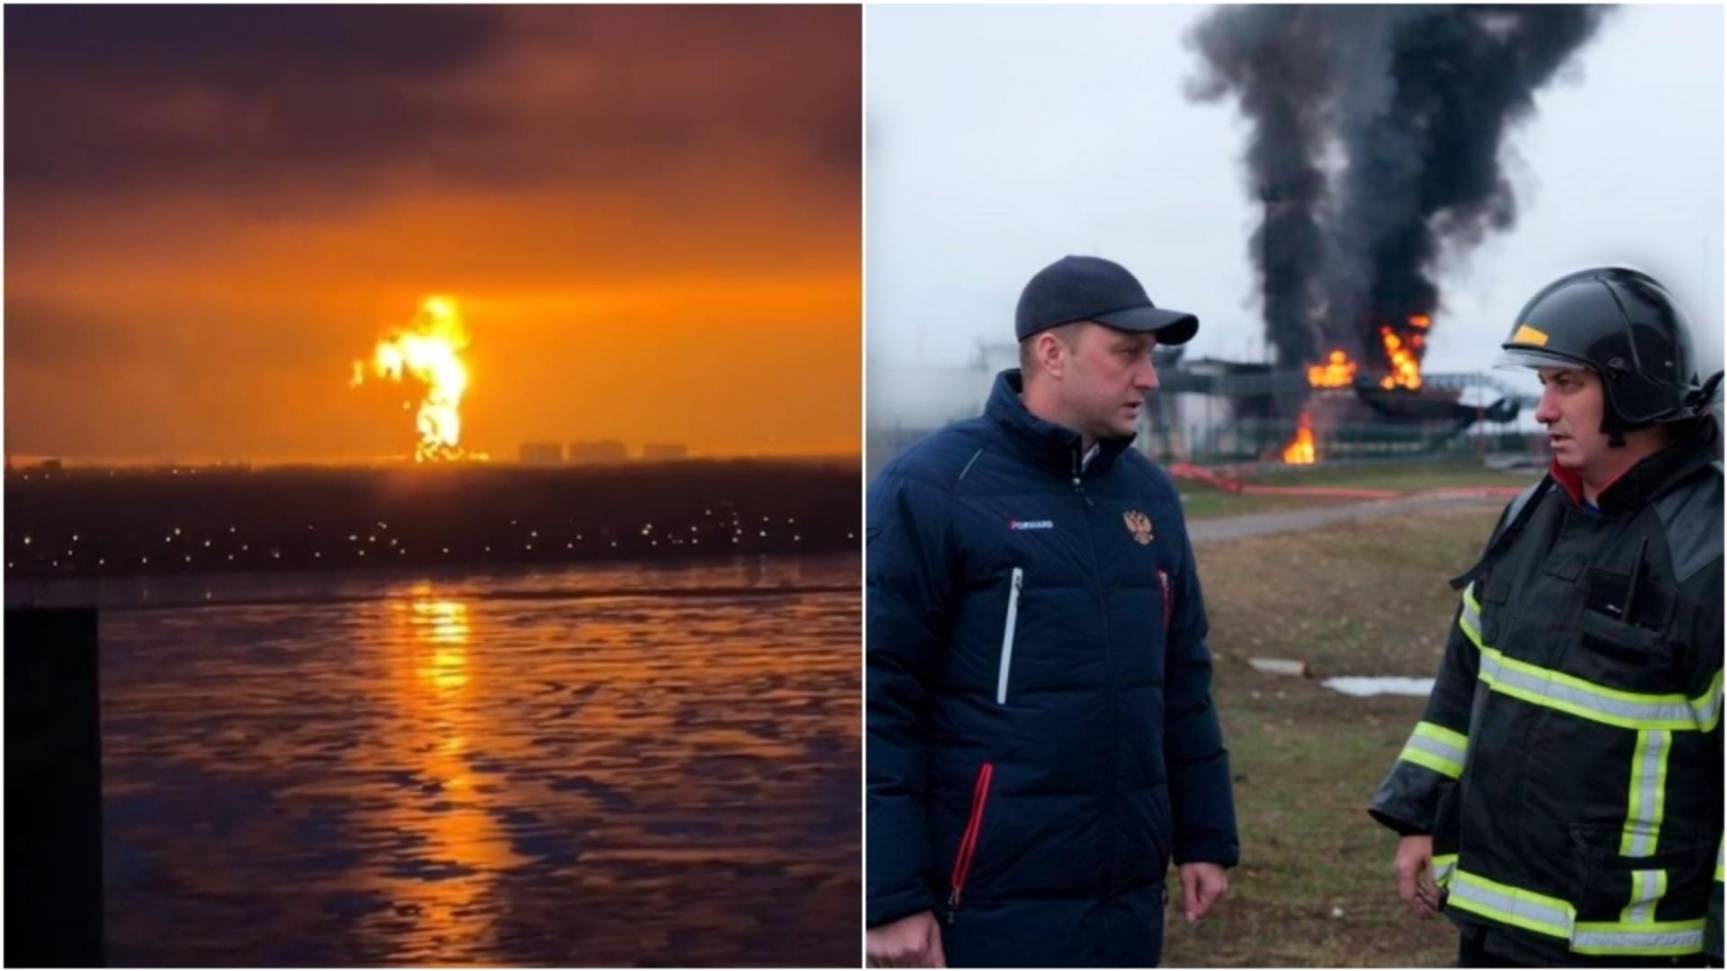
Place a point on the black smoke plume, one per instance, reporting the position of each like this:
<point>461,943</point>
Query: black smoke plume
<point>1375,150</point>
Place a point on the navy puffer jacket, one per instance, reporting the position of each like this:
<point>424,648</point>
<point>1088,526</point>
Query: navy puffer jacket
<point>1041,733</point>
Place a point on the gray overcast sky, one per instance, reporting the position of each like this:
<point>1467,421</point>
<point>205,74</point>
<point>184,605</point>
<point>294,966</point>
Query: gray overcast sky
<point>1000,138</point>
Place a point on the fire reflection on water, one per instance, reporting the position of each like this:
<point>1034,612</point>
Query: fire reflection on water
<point>493,771</point>
<point>446,814</point>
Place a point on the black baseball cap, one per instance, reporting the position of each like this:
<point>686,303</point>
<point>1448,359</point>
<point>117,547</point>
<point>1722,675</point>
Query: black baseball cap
<point>1089,288</point>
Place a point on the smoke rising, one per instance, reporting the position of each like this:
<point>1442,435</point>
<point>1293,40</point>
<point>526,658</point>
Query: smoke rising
<point>1375,149</point>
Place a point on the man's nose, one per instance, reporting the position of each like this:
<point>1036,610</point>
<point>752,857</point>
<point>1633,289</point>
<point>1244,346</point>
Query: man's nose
<point>1547,412</point>
<point>1145,379</point>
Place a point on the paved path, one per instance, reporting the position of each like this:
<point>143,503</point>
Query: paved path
<point>1292,520</point>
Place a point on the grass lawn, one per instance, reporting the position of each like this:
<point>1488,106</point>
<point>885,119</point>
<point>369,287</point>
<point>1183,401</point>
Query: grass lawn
<point>1315,885</point>
<point>1201,501</point>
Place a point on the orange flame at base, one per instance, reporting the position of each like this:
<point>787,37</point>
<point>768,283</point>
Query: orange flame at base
<point>1300,450</point>
<point>1405,367</point>
<point>430,351</point>
<point>1337,372</point>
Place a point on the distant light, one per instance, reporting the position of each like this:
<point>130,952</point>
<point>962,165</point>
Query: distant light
<point>797,538</point>
<point>446,549</point>
<point>353,537</point>
<point>74,537</point>
<point>26,541</point>
<point>761,532</point>
<point>534,533</point>
<point>206,544</point>
<point>176,530</point>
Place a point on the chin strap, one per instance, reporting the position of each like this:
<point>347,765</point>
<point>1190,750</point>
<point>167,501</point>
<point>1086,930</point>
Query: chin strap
<point>1699,401</point>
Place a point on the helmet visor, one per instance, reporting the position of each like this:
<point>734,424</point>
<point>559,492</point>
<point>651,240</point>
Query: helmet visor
<point>1534,357</point>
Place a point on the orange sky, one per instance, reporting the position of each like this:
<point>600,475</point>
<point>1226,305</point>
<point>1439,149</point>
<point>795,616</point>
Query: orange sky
<point>649,218</point>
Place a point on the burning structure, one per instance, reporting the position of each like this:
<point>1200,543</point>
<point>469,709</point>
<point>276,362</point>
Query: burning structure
<point>1376,133</point>
<point>430,352</point>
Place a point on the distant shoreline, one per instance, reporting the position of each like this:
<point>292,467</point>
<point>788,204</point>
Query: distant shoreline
<point>89,523</point>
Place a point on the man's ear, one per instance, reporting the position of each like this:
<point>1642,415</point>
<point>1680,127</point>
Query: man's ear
<point>1050,354</point>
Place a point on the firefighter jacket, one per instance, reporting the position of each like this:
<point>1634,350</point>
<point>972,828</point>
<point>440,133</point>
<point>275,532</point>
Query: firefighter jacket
<point>1568,764</point>
<point>1041,736</point>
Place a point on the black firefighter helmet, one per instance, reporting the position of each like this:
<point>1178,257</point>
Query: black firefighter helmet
<point>1628,329</point>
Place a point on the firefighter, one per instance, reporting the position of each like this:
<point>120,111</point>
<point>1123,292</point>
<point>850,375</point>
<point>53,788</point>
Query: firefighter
<point>1560,799</point>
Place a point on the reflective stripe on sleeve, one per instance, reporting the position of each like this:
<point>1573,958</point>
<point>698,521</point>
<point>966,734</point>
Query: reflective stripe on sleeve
<point>1436,747</point>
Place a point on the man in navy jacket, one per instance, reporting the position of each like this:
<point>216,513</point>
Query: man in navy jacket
<point>1041,733</point>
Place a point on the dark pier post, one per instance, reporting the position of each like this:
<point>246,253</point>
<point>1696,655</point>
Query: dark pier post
<point>53,790</point>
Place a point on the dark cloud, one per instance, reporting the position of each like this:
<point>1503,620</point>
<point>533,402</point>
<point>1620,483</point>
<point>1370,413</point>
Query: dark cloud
<point>344,101</point>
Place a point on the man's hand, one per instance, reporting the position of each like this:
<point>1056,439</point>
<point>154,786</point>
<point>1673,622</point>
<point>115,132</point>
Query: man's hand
<point>1202,885</point>
<point>910,942</point>
<point>1414,879</point>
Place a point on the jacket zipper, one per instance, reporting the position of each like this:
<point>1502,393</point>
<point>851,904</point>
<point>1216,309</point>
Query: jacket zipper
<point>1109,667</point>
<point>968,842</point>
<point>1007,635</point>
<point>1168,603</point>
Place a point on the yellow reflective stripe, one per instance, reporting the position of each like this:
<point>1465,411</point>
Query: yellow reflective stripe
<point>1428,760</point>
<point>1655,939</point>
<point>1720,857</point>
<point>1511,905</point>
<point>1585,699</point>
<point>1706,707</point>
<point>1441,867</point>
<point>1436,747</point>
<point>1554,917</point>
<point>1647,802</point>
<point>1439,733</point>
<point>1647,889</point>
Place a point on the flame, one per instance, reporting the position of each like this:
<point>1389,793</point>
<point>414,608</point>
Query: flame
<point>1300,450</point>
<point>1337,372</point>
<point>1405,366</point>
<point>429,351</point>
